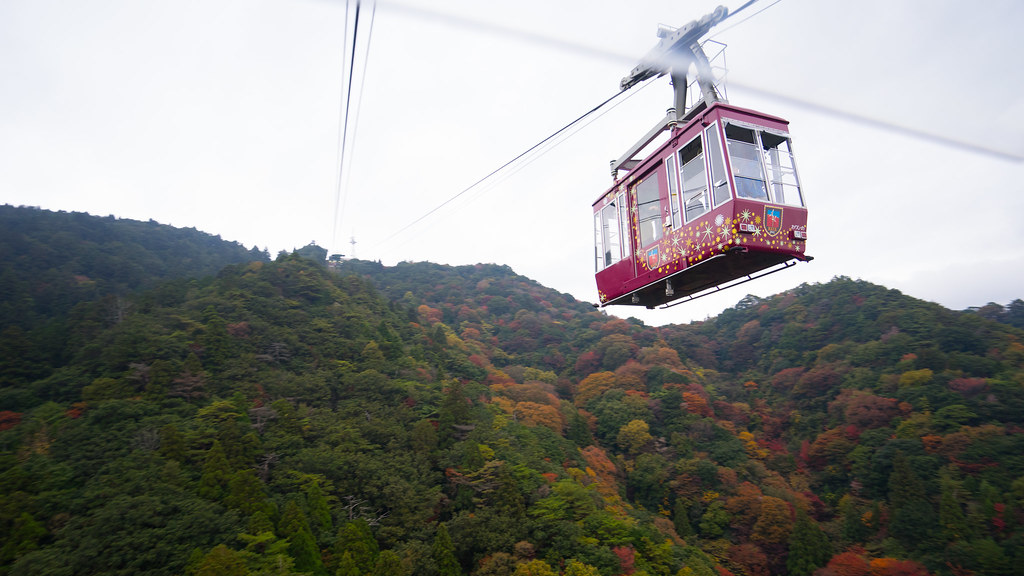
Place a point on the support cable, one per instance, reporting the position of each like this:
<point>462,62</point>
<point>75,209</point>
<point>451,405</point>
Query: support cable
<point>359,107</point>
<point>503,166</point>
<point>344,124</point>
<point>341,128</point>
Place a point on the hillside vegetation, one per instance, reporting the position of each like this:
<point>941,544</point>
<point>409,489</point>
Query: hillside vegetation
<point>286,418</point>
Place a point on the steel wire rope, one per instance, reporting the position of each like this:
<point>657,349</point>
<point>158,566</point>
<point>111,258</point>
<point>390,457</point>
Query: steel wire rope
<point>359,107</point>
<point>565,45</point>
<point>726,29</point>
<point>537,146</point>
<point>341,127</point>
<point>344,121</point>
<point>546,149</point>
<point>539,152</point>
<point>502,167</point>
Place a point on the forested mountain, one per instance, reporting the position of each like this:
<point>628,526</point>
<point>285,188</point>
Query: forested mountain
<point>50,261</point>
<point>282,418</point>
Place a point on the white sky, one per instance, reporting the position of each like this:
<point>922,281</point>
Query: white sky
<point>223,115</point>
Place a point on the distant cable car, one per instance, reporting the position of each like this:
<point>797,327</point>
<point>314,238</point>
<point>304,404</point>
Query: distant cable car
<point>718,204</point>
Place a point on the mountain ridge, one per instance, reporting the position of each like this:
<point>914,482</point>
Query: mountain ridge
<point>280,417</point>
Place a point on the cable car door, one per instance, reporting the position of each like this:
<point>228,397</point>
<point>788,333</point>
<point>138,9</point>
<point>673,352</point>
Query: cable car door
<point>651,215</point>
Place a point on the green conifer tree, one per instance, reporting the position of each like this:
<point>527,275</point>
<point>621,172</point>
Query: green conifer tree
<point>347,566</point>
<point>302,547</point>
<point>809,547</point>
<point>356,541</point>
<point>912,517</point>
<point>389,564</point>
<point>213,484</point>
<point>444,553</point>
<point>952,520</point>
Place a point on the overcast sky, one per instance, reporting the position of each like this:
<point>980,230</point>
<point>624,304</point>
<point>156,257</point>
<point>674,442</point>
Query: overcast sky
<point>224,115</point>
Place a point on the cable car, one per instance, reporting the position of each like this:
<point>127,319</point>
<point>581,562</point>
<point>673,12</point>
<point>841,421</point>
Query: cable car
<point>717,204</point>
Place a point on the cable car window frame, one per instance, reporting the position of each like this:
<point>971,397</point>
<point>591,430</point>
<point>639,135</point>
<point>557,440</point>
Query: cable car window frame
<point>718,169</point>
<point>648,208</point>
<point>611,234</point>
<point>744,155</point>
<point>704,193</point>
<point>768,183</point>
<point>674,195</point>
<point>777,169</point>
<point>624,235</point>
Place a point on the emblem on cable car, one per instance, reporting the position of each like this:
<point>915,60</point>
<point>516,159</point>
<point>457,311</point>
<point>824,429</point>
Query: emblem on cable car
<point>653,258</point>
<point>772,220</point>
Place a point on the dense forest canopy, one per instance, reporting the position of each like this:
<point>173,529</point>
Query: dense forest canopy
<point>191,407</point>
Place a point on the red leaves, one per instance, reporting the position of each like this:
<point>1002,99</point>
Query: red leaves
<point>9,419</point>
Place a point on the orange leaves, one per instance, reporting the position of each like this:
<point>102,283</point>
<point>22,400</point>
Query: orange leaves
<point>660,356</point>
<point>895,567</point>
<point>429,315</point>
<point>534,414</point>
<point>854,563</point>
<point>593,386</point>
<point>848,564</point>
<point>696,404</point>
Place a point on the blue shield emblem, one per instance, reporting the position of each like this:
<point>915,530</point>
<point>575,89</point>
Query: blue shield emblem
<point>653,258</point>
<point>772,220</point>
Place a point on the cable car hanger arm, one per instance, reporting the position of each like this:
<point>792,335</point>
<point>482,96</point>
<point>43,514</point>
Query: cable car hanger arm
<point>675,52</point>
<point>674,48</point>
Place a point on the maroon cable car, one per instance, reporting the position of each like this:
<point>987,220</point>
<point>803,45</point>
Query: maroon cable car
<point>717,204</point>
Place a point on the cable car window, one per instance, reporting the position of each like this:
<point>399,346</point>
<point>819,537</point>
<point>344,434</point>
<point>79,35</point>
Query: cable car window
<point>782,179</point>
<point>695,180</point>
<point>624,225</point>
<point>610,234</point>
<point>598,245</point>
<point>719,177</point>
<point>673,190</point>
<point>648,205</point>
<point>746,162</point>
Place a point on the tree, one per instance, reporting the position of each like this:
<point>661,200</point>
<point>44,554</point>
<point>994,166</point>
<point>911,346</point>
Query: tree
<point>534,568</point>
<point>347,566</point>
<point>592,386</point>
<point>577,568</point>
<point>356,541</point>
<point>443,553</point>
<point>774,523</point>
<point>302,547</point>
<point>952,520</point>
<point>634,435</point>
<point>912,517</point>
<point>222,561</point>
<point>246,493</point>
<point>389,564</point>
<point>809,547</point>
<point>213,484</point>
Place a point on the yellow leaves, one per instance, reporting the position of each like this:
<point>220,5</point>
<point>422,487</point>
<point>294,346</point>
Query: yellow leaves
<point>916,377</point>
<point>774,523</point>
<point>710,496</point>
<point>634,435</point>
<point>531,413</point>
<point>754,450</point>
